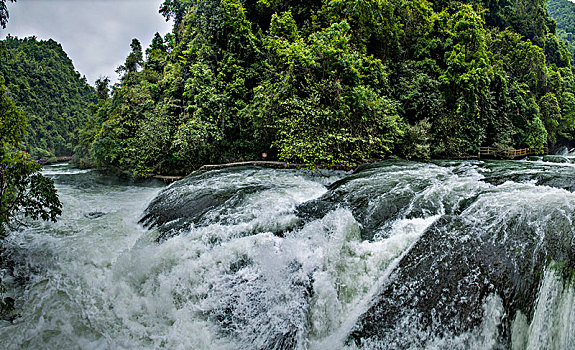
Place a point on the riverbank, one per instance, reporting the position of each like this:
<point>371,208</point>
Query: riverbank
<point>54,160</point>
<point>283,165</point>
<point>260,163</point>
<point>169,178</point>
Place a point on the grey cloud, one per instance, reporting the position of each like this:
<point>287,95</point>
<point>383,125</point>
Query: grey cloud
<point>96,34</point>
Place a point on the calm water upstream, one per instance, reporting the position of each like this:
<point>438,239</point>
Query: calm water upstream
<point>436,255</point>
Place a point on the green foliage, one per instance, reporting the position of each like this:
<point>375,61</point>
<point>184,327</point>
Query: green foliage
<point>465,81</point>
<point>550,115</point>
<point>134,60</point>
<point>4,13</point>
<point>102,88</point>
<point>566,125</point>
<point>42,81</point>
<point>335,82</point>
<point>156,55</point>
<point>536,134</point>
<point>23,190</point>
<point>174,9</point>
<point>563,12</point>
<point>328,106</point>
<point>12,121</point>
<point>416,143</point>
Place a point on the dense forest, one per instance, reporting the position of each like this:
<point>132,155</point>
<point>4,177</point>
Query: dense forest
<point>42,81</point>
<point>334,82</point>
<point>563,12</point>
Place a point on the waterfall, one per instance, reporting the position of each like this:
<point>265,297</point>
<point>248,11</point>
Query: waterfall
<point>434,255</point>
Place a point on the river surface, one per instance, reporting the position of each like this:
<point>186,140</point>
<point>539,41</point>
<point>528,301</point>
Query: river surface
<point>396,255</point>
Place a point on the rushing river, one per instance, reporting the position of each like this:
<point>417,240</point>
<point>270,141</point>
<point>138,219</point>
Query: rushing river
<point>397,255</point>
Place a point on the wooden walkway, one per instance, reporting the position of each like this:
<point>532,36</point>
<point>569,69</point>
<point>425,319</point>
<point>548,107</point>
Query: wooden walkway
<point>168,178</point>
<point>510,153</point>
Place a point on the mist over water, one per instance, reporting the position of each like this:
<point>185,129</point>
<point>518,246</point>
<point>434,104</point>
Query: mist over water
<point>436,255</point>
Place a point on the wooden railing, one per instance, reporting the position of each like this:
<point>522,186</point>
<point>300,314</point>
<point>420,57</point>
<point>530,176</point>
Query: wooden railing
<point>487,151</point>
<point>510,153</point>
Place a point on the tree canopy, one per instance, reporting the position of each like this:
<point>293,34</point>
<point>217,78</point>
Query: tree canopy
<point>563,12</point>
<point>41,80</point>
<point>335,82</point>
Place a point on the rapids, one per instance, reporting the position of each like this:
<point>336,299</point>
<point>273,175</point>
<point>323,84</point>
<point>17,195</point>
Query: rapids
<point>396,255</point>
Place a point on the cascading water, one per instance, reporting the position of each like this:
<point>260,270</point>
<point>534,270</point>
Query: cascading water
<point>436,255</point>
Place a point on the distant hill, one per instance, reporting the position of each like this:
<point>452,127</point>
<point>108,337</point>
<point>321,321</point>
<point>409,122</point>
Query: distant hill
<point>42,81</point>
<point>563,12</point>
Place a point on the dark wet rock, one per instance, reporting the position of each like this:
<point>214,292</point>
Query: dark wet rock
<point>187,201</point>
<point>555,159</point>
<point>379,193</point>
<point>433,289</point>
<point>541,174</point>
<point>7,310</point>
<point>491,243</point>
<point>94,214</point>
<point>440,286</point>
<point>372,216</point>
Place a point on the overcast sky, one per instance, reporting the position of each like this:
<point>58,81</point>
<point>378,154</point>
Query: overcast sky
<point>96,34</point>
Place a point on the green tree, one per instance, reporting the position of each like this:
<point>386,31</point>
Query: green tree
<point>334,82</point>
<point>23,190</point>
<point>550,115</point>
<point>563,12</point>
<point>134,60</point>
<point>463,70</point>
<point>102,88</point>
<point>41,80</point>
<point>4,13</point>
<point>156,55</point>
<point>536,136</point>
<point>326,102</point>
<point>174,9</point>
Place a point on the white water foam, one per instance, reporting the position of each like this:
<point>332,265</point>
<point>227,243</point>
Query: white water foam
<point>553,323</point>
<point>102,282</point>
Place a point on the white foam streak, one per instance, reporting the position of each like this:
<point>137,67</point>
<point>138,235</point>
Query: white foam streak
<point>361,279</point>
<point>553,323</point>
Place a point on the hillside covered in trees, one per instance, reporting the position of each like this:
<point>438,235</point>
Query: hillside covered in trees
<point>334,82</point>
<point>42,81</point>
<point>563,12</point>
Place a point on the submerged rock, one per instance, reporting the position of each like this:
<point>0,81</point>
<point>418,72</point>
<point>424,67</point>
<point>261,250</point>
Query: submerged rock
<point>378,194</point>
<point>555,159</point>
<point>94,214</point>
<point>245,200</point>
<point>500,245</point>
<point>463,280</point>
<point>374,193</point>
<point>541,174</point>
<point>185,202</point>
